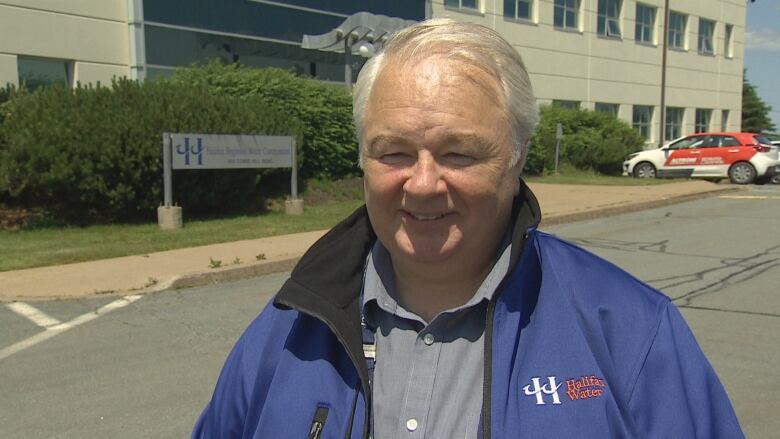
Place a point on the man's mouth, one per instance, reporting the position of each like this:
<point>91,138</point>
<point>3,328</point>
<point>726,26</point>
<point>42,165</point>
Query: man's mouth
<point>426,216</point>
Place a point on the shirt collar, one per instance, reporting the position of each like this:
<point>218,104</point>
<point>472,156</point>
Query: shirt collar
<point>379,283</point>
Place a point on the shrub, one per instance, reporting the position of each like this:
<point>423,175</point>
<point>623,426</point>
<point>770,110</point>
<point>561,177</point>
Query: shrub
<point>329,149</point>
<point>591,141</point>
<point>94,153</point>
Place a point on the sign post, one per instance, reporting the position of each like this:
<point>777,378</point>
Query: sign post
<point>558,137</point>
<point>183,151</point>
<point>168,216</point>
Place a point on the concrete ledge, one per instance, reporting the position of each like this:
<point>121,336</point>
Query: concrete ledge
<point>230,274</point>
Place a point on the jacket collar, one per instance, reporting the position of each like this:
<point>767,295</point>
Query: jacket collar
<point>326,282</point>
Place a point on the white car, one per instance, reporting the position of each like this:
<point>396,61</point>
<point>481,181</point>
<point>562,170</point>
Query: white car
<point>740,157</point>
<point>776,178</point>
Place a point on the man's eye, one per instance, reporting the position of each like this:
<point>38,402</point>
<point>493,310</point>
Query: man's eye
<point>392,158</point>
<point>455,159</point>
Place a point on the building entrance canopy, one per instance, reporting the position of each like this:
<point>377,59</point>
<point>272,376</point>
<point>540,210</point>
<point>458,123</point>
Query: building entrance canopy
<point>362,32</point>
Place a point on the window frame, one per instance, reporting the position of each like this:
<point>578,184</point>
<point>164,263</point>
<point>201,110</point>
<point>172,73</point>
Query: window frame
<point>641,126</point>
<point>516,3</point>
<point>703,40</point>
<point>680,33</point>
<point>608,108</point>
<point>564,8</point>
<point>567,103</point>
<point>605,19</point>
<point>649,27</point>
<point>673,128</point>
<point>66,69</point>
<point>724,119</point>
<point>476,8</point>
<point>700,125</point>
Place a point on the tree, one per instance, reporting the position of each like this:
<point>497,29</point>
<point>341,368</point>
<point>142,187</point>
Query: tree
<point>755,112</point>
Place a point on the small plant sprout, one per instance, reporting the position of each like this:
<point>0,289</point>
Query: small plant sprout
<point>260,257</point>
<point>214,263</point>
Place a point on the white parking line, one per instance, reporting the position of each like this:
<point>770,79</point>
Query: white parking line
<point>32,314</point>
<point>59,328</point>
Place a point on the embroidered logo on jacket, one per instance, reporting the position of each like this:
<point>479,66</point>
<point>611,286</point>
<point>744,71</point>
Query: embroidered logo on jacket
<point>585,387</point>
<point>539,390</point>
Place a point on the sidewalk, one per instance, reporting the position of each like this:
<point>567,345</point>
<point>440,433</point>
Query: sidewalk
<point>191,267</point>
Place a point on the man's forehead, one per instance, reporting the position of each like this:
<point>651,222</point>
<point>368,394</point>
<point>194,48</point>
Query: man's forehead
<point>430,73</point>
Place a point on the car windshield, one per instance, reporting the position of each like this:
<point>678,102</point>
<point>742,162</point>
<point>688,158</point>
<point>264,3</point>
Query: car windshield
<point>763,140</point>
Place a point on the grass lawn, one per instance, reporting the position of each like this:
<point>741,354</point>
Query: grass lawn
<point>37,247</point>
<point>29,248</point>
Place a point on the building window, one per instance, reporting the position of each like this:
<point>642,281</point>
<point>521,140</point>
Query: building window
<point>566,14</point>
<point>609,18</point>
<point>645,24</point>
<point>677,24</point>
<point>724,120</point>
<point>38,72</point>
<point>171,48</point>
<point>641,120</point>
<point>728,48</point>
<point>462,4</point>
<point>518,9</point>
<point>706,32</point>
<point>673,126</point>
<point>571,105</point>
<point>703,117</point>
<point>611,109</point>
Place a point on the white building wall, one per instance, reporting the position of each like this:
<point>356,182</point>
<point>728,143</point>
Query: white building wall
<point>583,66</point>
<point>91,34</point>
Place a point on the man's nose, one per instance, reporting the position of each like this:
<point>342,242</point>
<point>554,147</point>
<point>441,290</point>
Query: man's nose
<point>425,178</point>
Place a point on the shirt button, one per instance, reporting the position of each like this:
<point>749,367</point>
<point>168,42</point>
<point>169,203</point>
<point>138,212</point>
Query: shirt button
<point>411,424</point>
<point>428,339</point>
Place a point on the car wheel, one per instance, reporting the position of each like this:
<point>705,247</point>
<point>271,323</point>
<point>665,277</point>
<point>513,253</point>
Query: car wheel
<point>775,179</point>
<point>644,170</point>
<point>742,173</point>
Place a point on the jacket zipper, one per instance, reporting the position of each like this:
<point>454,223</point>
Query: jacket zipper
<point>487,381</point>
<point>487,369</point>
<point>366,433</point>
<point>318,423</point>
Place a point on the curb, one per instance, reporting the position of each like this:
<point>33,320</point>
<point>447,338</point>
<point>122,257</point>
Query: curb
<point>229,274</point>
<point>263,268</point>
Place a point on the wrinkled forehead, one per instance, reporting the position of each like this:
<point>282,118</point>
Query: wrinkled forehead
<point>436,74</point>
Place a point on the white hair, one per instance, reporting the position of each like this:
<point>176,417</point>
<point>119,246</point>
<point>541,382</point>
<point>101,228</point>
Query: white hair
<point>462,41</point>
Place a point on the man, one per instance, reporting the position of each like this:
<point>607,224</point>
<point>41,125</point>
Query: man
<point>438,310</point>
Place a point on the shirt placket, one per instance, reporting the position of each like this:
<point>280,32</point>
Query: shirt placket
<point>419,390</point>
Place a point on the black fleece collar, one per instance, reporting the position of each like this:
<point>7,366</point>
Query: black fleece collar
<point>326,282</point>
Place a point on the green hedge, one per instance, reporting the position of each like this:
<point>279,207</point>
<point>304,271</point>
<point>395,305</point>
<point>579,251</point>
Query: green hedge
<point>329,150</point>
<point>591,141</point>
<point>94,153</point>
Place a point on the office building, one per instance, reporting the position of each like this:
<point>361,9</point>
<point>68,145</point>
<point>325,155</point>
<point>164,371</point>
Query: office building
<point>602,55</point>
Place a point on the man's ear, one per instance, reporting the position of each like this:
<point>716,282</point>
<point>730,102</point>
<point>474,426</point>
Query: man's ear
<point>518,167</point>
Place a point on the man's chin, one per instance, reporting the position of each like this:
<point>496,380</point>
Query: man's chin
<point>427,253</point>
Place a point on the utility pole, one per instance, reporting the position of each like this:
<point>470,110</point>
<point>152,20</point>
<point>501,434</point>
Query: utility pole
<point>662,118</point>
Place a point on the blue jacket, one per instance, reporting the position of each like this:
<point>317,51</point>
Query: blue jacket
<point>574,347</point>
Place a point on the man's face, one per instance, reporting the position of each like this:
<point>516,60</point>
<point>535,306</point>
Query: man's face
<point>437,161</point>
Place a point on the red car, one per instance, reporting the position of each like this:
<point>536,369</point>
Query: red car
<point>742,157</point>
